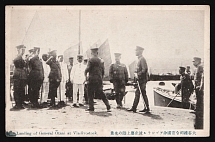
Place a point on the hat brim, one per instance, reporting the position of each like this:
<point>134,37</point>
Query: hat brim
<point>139,49</point>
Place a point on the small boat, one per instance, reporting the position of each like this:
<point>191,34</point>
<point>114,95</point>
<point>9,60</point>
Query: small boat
<point>168,76</point>
<point>168,98</point>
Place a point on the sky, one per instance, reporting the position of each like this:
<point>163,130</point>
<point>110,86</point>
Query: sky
<point>171,38</point>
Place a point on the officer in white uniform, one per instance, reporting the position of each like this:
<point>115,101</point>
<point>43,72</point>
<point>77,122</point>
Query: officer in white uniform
<point>78,78</point>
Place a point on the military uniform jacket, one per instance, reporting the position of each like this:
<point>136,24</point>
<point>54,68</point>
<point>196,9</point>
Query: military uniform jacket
<point>118,72</point>
<point>142,69</point>
<point>186,82</point>
<point>37,71</point>
<point>95,68</point>
<point>19,72</point>
<point>77,73</point>
<point>198,75</point>
<point>55,72</point>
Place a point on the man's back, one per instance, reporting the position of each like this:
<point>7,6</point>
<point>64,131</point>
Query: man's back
<point>37,71</point>
<point>19,72</point>
<point>95,68</point>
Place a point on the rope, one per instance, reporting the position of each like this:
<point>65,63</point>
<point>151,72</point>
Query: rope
<point>28,27</point>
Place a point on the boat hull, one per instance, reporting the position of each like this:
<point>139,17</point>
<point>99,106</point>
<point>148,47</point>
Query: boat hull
<point>161,100</point>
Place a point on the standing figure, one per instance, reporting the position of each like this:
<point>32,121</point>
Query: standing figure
<point>69,85</point>
<point>119,77</point>
<point>97,95</point>
<point>28,68</point>
<point>45,85</point>
<point>95,68</point>
<point>19,77</point>
<point>62,88</point>
<point>54,76</point>
<point>186,87</point>
<point>198,79</point>
<point>85,84</point>
<point>77,78</point>
<point>141,74</point>
<point>188,70</point>
<point>36,77</point>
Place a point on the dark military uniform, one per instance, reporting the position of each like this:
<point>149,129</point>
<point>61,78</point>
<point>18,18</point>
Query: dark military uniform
<point>95,68</point>
<point>19,78</point>
<point>142,72</point>
<point>36,77</point>
<point>54,79</point>
<point>86,88</point>
<point>142,75</point>
<point>197,80</point>
<point>119,77</point>
<point>199,83</point>
<point>186,89</point>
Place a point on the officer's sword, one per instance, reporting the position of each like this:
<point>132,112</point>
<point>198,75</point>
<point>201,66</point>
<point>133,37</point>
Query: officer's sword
<point>141,93</point>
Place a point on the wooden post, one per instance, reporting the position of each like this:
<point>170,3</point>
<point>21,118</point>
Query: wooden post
<point>79,32</point>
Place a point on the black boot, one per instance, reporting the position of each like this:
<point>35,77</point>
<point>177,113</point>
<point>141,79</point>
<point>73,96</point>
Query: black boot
<point>52,104</point>
<point>89,109</point>
<point>108,108</point>
<point>132,109</point>
<point>145,110</point>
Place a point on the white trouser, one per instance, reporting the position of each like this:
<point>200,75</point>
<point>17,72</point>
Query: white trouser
<point>61,91</point>
<point>76,88</point>
<point>45,92</point>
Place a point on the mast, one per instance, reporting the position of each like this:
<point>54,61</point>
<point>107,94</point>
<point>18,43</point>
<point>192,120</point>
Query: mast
<point>28,27</point>
<point>79,32</point>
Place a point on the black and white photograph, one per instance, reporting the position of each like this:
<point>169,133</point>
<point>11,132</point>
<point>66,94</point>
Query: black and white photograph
<point>107,71</point>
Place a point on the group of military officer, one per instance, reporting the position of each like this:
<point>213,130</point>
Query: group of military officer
<point>94,74</point>
<point>21,77</point>
<point>30,71</point>
<point>33,73</point>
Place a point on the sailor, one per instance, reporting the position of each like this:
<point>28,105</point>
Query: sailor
<point>19,77</point>
<point>77,78</point>
<point>36,77</point>
<point>119,77</point>
<point>85,84</point>
<point>45,85</point>
<point>186,87</point>
<point>69,85</point>
<point>62,89</point>
<point>141,74</point>
<point>198,75</point>
<point>95,68</point>
<point>55,76</point>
